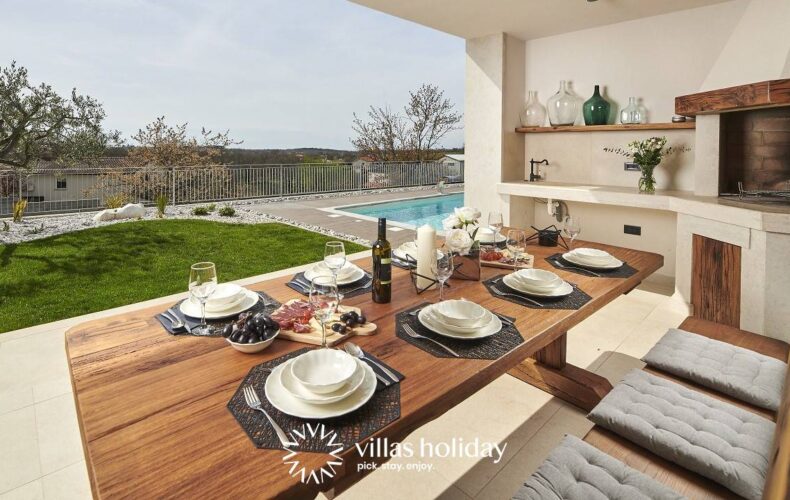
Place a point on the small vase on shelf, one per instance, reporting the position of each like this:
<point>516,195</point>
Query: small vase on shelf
<point>563,107</point>
<point>647,183</point>
<point>534,114</point>
<point>632,114</point>
<point>596,109</point>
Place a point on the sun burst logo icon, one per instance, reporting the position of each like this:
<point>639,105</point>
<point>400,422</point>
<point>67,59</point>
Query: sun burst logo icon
<point>327,471</point>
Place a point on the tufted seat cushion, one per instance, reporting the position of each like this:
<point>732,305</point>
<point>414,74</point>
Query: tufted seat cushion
<point>741,373</point>
<point>574,470</point>
<point>715,439</point>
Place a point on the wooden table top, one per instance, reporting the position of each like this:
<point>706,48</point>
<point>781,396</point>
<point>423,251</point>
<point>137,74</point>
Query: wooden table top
<point>152,407</point>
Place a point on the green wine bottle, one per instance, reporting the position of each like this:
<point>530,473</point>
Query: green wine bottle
<point>382,266</point>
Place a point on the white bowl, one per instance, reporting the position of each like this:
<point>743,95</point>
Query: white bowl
<point>459,312</point>
<point>592,255</point>
<point>466,329</point>
<point>224,295</point>
<point>538,278</point>
<point>323,370</point>
<point>253,348</point>
<point>298,391</point>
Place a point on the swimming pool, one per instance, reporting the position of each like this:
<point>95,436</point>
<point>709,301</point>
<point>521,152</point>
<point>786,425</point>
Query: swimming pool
<point>416,212</point>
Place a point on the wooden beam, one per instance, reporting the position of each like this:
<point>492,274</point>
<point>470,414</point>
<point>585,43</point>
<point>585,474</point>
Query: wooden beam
<point>754,95</point>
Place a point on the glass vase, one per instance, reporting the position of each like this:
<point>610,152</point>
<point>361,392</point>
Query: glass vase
<point>596,109</point>
<point>647,182</point>
<point>534,114</point>
<point>632,114</point>
<point>563,107</point>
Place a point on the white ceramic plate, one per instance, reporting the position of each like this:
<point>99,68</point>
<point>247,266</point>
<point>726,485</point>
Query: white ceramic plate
<point>486,330</point>
<point>192,309</point>
<point>281,399</point>
<point>352,277</point>
<point>220,308</point>
<point>614,264</point>
<point>489,239</point>
<point>298,391</point>
<point>561,291</point>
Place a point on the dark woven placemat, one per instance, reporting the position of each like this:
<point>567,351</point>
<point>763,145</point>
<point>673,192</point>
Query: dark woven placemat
<point>302,285</point>
<point>493,347</point>
<point>383,408</point>
<point>267,304</point>
<point>624,271</point>
<point>575,300</point>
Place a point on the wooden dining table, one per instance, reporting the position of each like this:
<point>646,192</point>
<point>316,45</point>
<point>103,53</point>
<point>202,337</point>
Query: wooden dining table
<point>152,406</point>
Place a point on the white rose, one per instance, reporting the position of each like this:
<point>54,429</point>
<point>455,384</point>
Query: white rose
<point>467,214</point>
<point>458,240</point>
<point>451,222</point>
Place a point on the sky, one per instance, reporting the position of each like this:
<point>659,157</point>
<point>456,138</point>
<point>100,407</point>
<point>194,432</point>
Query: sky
<point>276,73</point>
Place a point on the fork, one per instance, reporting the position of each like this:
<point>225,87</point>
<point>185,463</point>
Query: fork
<point>522,297</point>
<point>251,397</point>
<point>557,261</point>
<point>411,333</point>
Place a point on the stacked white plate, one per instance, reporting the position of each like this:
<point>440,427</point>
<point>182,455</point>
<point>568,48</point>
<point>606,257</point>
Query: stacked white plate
<point>227,300</point>
<point>459,319</point>
<point>538,283</point>
<point>322,383</point>
<point>408,251</point>
<point>592,258</point>
<point>346,275</point>
<point>487,235</point>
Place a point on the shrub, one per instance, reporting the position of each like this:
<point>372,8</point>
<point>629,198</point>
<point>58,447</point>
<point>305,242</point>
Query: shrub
<point>35,230</point>
<point>227,211</point>
<point>116,200</point>
<point>200,211</point>
<point>212,207</point>
<point>19,210</point>
<point>6,227</point>
<point>161,204</point>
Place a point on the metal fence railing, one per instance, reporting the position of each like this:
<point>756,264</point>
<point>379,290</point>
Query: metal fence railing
<point>76,189</point>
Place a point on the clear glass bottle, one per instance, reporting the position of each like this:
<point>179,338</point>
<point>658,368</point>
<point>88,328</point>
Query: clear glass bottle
<point>632,113</point>
<point>534,114</point>
<point>563,107</point>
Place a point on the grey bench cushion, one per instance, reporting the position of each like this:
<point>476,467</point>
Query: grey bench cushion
<point>741,373</point>
<point>715,439</point>
<point>574,470</point>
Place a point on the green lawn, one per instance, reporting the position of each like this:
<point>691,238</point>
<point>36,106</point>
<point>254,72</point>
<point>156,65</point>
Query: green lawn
<point>97,269</point>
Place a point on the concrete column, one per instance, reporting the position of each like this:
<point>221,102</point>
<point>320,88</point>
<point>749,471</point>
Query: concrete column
<point>492,104</point>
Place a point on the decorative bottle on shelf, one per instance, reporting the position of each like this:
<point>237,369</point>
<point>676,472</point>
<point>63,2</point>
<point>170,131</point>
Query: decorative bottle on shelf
<point>596,109</point>
<point>563,107</point>
<point>632,113</point>
<point>382,266</point>
<point>534,114</point>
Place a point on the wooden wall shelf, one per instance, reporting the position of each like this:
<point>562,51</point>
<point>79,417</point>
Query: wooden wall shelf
<point>607,128</point>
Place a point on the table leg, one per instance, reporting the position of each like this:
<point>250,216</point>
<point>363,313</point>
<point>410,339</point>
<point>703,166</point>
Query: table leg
<point>549,371</point>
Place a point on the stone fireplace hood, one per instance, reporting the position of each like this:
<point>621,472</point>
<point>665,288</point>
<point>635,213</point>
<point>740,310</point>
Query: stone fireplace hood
<point>767,94</point>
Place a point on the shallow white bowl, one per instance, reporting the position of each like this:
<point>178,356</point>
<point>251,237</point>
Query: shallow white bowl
<point>538,278</point>
<point>323,370</point>
<point>467,329</point>
<point>459,312</point>
<point>298,391</point>
<point>253,348</point>
<point>224,295</point>
<point>592,255</point>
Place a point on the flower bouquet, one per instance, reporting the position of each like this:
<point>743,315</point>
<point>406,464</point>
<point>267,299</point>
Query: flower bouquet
<point>460,229</point>
<point>648,154</point>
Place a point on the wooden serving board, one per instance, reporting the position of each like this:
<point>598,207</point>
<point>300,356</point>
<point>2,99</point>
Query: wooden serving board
<point>523,264</point>
<point>332,338</point>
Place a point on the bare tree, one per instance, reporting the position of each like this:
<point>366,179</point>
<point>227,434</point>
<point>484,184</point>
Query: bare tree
<point>390,136</point>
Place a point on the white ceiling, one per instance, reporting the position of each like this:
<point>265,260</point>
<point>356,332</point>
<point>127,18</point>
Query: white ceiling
<point>525,19</point>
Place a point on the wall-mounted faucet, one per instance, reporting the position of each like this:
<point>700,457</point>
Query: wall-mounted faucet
<point>534,176</point>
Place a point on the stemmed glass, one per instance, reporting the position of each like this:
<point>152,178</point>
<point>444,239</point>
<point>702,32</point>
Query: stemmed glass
<point>517,244</point>
<point>443,271</point>
<point>324,299</point>
<point>573,226</point>
<point>202,283</point>
<point>335,257</point>
<point>495,222</point>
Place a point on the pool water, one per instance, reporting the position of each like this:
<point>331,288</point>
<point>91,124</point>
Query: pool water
<point>418,211</point>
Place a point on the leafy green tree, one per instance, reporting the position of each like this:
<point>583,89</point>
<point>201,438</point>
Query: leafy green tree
<point>37,123</point>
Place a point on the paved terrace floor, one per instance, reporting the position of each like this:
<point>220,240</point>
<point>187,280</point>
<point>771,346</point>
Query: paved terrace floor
<point>42,453</point>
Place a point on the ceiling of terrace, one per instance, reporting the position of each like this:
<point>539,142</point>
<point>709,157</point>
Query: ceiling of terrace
<point>525,19</point>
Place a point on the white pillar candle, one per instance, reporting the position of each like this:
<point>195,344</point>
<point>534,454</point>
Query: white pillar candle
<point>426,254</point>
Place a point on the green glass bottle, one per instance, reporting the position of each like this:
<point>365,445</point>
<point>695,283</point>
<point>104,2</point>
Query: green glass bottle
<point>382,266</point>
<point>596,109</point>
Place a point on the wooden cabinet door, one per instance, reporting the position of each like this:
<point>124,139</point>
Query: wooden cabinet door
<point>716,281</point>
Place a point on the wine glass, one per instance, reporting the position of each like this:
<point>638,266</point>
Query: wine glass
<point>573,226</point>
<point>202,283</point>
<point>517,244</point>
<point>335,257</point>
<point>443,270</point>
<point>324,299</point>
<point>495,222</point>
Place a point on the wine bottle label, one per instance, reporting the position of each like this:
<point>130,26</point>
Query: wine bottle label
<point>386,260</point>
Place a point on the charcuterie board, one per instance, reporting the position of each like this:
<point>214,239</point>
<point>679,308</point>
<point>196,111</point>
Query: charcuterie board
<point>506,261</point>
<point>313,336</point>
